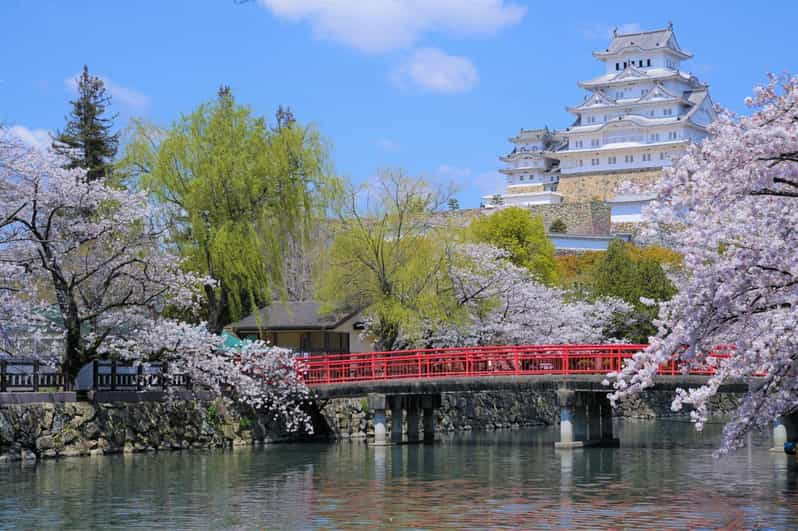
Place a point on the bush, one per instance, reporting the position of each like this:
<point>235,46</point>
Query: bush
<point>558,226</point>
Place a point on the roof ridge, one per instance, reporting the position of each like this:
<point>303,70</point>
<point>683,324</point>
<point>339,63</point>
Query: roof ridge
<point>641,32</point>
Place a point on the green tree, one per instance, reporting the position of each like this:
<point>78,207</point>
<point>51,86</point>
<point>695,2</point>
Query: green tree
<point>388,257</point>
<point>87,140</point>
<point>629,274</point>
<point>453,204</point>
<point>235,192</point>
<point>558,226</point>
<point>522,235</point>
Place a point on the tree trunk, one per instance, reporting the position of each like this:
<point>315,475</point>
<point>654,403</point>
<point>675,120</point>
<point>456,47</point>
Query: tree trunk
<point>217,309</point>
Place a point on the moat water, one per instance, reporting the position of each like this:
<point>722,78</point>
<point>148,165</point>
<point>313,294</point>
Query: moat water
<point>662,477</point>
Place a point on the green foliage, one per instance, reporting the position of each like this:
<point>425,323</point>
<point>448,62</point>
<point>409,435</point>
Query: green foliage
<point>558,226</point>
<point>389,258</point>
<point>628,273</point>
<point>87,140</point>
<point>522,235</point>
<point>453,204</point>
<point>234,192</point>
<point>244,424</point>
<point>214,417</point>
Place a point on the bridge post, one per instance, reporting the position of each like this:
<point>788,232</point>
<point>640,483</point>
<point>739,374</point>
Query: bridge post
<point>395,402</point>
<point>785,429</point>
<point>567,401</point>
<point>377,405</point>
<point>594,433</point>
<point>429,403</point>
<point>585,419</point>
<point>412,405</point>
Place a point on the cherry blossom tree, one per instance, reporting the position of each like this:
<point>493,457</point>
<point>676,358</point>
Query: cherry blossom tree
<point>80,261</point>
<point>502,303</point>
<point>730,207</point>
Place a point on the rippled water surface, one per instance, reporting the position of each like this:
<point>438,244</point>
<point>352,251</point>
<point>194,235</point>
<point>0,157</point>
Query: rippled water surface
<point>663,477</point>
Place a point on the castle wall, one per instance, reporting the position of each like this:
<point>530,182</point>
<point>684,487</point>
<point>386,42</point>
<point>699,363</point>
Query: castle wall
<point>602,185</point>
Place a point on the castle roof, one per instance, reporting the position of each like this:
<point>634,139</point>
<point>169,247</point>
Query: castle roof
<point>662,39</point>
<point>631,73</point>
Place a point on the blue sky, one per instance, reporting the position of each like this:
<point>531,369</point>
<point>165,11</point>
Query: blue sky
<point>432,86</point>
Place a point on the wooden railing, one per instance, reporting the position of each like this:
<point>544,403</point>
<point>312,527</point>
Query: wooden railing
<point>106,375</point>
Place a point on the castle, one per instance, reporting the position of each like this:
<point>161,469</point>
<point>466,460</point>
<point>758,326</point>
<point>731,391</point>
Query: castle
<point>637,117</point>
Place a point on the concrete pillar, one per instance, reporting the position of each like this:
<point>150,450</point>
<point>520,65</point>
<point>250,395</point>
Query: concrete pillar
<point>377,406</point>
<point>607,433</point>
<point>568,435</point>
<point>428,405</point>
<point>412,405</point>
<point>779,435</point>
<point>397,419</point>
<point>580,418</point>
<point>593,417</point>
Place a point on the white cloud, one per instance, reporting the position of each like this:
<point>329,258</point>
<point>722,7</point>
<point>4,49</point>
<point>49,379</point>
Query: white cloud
<point>453,172</point>
<point>38,138</point>
<point>381,25</point>
<point>386,144</point>
<point>433,70</point>
<point>597,31</point>
<point>120,94</point>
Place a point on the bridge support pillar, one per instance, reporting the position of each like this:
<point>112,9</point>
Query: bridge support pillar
<point>585,419</point>
<point>396,419</point>
<point>376,404</point>
<point>785,429</point>
<point>429,403</point>
<point>412,405</point>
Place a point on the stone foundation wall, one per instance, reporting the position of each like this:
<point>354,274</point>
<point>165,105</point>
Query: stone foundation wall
<point>487,410</point>
<point>47,430</point>
<point>602,185</point>
<point>592,217</point>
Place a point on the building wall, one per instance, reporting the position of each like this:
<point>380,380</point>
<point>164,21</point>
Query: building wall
<point>602,186</point>
<point>356,343</point>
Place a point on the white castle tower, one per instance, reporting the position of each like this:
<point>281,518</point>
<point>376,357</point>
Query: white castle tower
<point>637,116</point>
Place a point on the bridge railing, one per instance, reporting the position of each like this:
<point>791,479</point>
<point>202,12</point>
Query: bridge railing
<point>476,361</point>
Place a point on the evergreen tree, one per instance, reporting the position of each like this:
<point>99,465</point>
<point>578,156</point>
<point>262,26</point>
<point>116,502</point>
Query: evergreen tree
<point>87,140</point>
<point>558,227</point>
<point>453,204</point>
<point>629,274</point>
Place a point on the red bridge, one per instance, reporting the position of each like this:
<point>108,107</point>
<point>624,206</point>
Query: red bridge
<point>477,362</point>
<point>409,382</point>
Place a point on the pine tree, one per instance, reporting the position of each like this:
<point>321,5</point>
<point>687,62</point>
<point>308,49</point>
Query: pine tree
<point>87,140</point>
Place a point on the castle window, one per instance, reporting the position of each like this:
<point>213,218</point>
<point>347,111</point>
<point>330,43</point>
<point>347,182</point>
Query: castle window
<point>663,155</point>
<point>595,142</point>
<point>673,135</point>
<point>629,158</point>
<point>522,177</point>
<point>649,62</point>
<point>655,137</point>
<point>640,62</point>
<point>646,157</point>
<point>579,163</point>
<point>624,64</point>
<point>594,162</point>
<point>617,66</point>
<point>611,160</point>
<point>667,112</point>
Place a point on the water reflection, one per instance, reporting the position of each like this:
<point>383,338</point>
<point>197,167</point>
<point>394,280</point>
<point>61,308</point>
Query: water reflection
<point>662,477</point>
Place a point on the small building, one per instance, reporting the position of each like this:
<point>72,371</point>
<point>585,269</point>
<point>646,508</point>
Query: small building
<point>301,327</point>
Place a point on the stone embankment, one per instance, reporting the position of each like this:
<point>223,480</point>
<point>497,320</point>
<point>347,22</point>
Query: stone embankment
<point>47,430</point>
<point>349,417</point>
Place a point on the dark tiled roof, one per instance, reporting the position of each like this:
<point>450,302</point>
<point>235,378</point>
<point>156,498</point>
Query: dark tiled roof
<point>293,315</point>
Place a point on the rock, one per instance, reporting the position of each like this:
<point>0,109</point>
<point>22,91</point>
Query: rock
<point>27,456</point>
<point>45,443</point>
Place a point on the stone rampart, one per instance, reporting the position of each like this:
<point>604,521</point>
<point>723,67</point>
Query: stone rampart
<point>588,218</point>
<point>30,431</point>
<point>602,186</point>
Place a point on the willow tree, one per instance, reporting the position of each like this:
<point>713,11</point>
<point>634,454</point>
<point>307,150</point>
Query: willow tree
<point>389,257</point>
<point>235,192</point>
